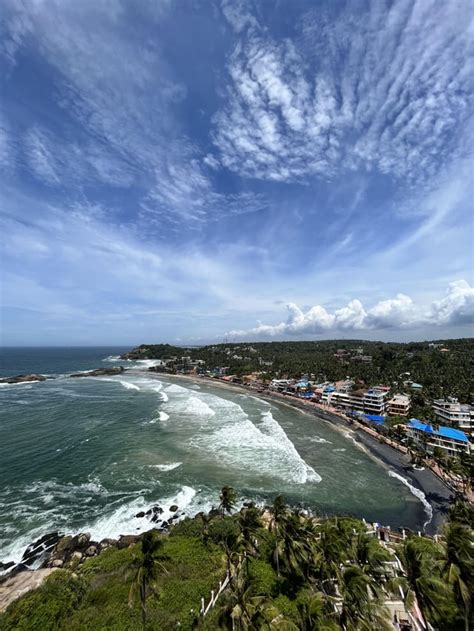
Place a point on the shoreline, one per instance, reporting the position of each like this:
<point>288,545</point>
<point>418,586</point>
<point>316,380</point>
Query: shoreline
<point>435,492</point>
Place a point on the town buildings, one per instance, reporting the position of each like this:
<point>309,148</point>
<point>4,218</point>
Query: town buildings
<point>452,441</point>
<point>398,405</point>
<point>453,413</point>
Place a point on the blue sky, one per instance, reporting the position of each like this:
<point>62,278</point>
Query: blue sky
<point>189,171</point>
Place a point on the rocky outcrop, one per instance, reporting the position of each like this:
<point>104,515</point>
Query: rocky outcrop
<point>99,372</point>
<point>37,553</point>
<point>23,378</point>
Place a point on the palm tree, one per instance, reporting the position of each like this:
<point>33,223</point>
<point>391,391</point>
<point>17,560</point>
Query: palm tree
<point>146,575</point>
<point>371,556</point>
<point>249,524</point>
<point>206,522</point>
<point>278,511</point>
<point>420,557</point>
<point>315,612</point>
<point>362,602</point>
<point>228,499</point>
<point>458,567</point>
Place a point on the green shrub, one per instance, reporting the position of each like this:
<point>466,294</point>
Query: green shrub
<point>47,607</point>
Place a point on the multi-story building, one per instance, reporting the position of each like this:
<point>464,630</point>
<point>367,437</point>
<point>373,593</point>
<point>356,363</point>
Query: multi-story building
<point>399,405</point>
<point>454,413</point>
<point>452,441</point>
<point>374,401</point>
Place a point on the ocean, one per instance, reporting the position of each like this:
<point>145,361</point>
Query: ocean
<point>88,454</point>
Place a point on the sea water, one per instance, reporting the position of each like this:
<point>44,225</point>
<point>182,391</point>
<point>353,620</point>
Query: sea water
<point>88,454</point>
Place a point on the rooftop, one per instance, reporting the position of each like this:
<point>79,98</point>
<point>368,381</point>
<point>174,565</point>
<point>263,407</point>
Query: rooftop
<point>444,432</point>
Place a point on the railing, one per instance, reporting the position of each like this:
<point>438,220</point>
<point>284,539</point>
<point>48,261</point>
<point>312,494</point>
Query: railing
<point>205,609</point>
<point>214,596</point>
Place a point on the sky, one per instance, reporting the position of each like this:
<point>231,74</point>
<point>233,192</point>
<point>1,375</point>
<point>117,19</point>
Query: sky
<point>196,171</point>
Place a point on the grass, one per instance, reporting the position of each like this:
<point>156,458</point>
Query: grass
<point>95,596</point>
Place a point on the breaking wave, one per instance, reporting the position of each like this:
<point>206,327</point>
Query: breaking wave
<point>166,467</point>
<point>417,493</point>
<point>221,429</point>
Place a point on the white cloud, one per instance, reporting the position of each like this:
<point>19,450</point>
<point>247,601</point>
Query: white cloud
<point>387,90</point>
<point>123,95</point>
<point>457,307</point>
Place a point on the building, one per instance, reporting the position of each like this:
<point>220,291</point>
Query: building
<point>399,405</point>
<point>452,441</point>
<point>413,386</point>
<point>374,401</point>
<point>281,385</point>
<point>454,413</point>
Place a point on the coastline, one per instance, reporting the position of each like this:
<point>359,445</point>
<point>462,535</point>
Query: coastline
<point>423,482</point>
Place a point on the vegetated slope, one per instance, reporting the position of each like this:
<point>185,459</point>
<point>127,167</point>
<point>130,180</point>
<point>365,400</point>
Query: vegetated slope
<point>288,571</point>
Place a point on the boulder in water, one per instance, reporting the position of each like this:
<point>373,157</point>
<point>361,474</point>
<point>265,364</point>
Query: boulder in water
<point>140,514</point>
<point>173,508</point>
<point>22,378</point>
<point>99,372</point>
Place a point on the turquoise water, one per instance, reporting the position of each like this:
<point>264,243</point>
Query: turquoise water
<point>88,454</point>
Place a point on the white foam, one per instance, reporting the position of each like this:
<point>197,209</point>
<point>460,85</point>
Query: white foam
<point>197,407</point>
<point>175,389</point>
<point>129,386</point>
<point>317,439</point>
<point>225,433</point>
<point>20,383</point>
<point>149,363</point>
<point>112,358</point>
<point>277,431</point>
<point>339,449</point>
<point>164,416</point>
<point>262,401</point>
<point>164,397</point>
<point>417,493</point>
<point>123,521</point>
<point>166,467</point>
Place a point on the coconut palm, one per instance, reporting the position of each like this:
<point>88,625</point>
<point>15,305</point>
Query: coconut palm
<point>420,557</point>
<point>315,612</point>
<point>278,512</point>
<point>371,556</point>
<point>147,571</point>
<point>249,525</point>
<point>458,567</point>
<point>362,602</point>
<point>228,499</point>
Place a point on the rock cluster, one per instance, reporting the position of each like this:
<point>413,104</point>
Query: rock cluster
<point>55,550</point>
<point>23,378</point>
<point>98,372</point>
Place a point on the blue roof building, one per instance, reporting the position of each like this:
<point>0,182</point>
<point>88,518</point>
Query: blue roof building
<point>452,441</point>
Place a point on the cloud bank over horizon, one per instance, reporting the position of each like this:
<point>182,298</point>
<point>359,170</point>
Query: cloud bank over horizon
<point>455,308</point>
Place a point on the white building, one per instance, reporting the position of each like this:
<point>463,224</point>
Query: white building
<point>457,414</point>
<point>452,441</point>
<point>399,405</point>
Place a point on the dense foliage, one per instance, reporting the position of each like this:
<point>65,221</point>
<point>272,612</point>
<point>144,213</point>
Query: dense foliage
<point>287,571</point>
<point>441,372</point>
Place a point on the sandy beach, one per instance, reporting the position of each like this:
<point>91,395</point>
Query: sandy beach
<point>435,492</point>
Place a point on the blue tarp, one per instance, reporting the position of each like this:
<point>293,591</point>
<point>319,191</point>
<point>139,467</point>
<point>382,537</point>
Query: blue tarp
<point>375,419</point>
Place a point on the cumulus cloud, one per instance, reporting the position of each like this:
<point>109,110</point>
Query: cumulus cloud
<point>385,90</point>
<point>457,307</point>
